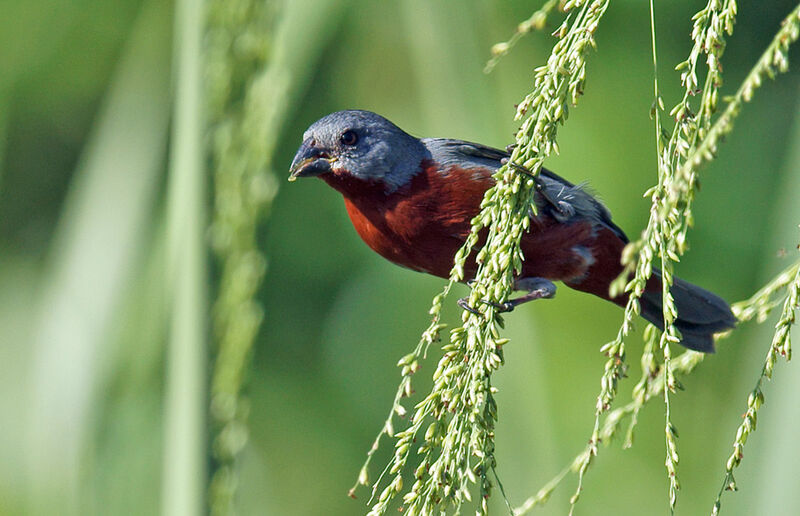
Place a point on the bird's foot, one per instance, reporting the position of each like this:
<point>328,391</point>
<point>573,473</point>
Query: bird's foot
<point>538,288</point>
<point>522,170</point>
<point>464,303</point>
<point>501,308</point>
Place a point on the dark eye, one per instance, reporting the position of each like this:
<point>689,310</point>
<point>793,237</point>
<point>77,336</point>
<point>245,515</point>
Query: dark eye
<point>348,138</point>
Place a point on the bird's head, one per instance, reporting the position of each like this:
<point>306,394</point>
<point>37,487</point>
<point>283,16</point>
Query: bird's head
<point>360,145</point>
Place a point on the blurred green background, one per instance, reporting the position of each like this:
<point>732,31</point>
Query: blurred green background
<point>85,103</point>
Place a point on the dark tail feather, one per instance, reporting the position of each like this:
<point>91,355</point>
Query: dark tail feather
<point>701,313</point>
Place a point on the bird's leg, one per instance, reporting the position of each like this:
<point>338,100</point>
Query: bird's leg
<point>538,288</point>
<point>563,207</point>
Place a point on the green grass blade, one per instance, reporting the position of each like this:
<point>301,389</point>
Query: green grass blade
<point>185,436</point>
<point>94,249</point>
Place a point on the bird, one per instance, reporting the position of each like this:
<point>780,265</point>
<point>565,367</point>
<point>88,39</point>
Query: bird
<point>412,200</point>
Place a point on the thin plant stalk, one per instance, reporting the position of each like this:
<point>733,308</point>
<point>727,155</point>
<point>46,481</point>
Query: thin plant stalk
<point>184,482</point>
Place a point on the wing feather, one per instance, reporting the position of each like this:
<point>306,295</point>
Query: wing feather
<point>485,160</point>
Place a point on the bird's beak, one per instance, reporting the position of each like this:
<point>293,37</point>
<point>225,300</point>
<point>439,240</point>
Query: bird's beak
<point>310,161</point>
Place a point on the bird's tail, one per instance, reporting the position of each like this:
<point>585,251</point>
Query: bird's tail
<point>701,313</point>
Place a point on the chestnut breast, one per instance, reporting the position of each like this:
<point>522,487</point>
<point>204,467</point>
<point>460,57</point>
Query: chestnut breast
<point>420,225</point>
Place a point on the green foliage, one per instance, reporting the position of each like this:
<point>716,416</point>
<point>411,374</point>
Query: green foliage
<point>300,349</point>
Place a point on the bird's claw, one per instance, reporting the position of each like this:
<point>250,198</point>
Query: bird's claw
<point>504,307</point>
<point>524,171</point>
<point>499,307</point>
<point>538,288</point>
<point>464,303</point>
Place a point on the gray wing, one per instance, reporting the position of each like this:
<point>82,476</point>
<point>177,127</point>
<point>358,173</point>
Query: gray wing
<point>576,200</point>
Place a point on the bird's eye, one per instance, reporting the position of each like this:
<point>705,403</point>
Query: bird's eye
<point>349,138</point>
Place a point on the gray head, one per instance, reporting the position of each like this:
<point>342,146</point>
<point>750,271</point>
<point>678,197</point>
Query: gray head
<point>361,144</point>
